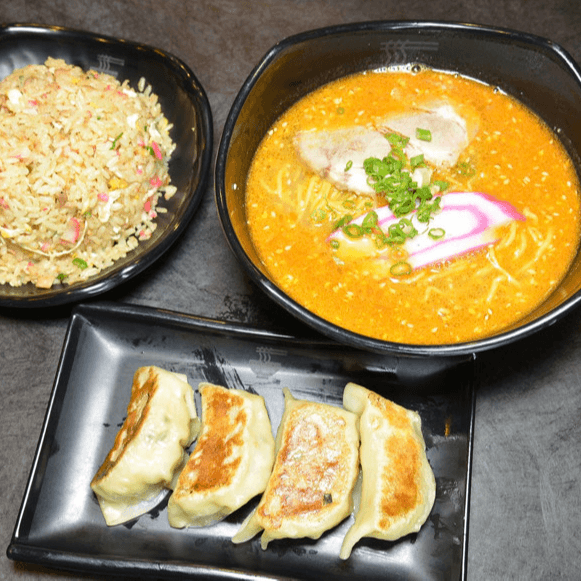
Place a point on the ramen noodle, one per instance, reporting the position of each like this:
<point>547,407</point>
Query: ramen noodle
<point>464,144</point>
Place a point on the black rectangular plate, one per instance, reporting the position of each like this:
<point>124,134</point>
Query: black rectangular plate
<point>60,523</point>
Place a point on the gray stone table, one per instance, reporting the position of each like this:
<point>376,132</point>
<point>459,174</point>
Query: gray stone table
<point>525,512</point>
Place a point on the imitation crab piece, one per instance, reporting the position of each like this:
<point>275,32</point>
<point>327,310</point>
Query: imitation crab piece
<point>437,132</point>
<point>467,222</point>
<point>72,233</point>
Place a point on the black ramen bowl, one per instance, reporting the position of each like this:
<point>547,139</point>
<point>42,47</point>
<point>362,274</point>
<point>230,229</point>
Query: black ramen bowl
<point>184,103</point>
<point>535,71</point>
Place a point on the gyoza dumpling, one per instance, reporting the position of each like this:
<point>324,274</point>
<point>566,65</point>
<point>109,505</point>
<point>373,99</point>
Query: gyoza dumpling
<point>398,487</point>
<point>148,452</point>
<point>316,467</point>
<point>231,462</point>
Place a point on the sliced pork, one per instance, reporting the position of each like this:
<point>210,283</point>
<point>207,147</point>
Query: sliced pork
<point>338,155</point>
<point>447,131</point>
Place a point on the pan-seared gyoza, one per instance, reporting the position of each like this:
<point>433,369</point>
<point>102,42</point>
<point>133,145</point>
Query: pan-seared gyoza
<point>398,487</point>
<point>231,462</point>
<point>316,466</point>
<point>149,449</point>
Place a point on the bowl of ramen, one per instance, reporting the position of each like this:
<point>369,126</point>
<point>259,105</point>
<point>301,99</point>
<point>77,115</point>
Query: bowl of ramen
<point>104,158</point>
<point>409,187</point>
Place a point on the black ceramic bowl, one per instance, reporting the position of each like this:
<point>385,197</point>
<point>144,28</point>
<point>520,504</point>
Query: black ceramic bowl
<point>534,70</point>
<point>184,103</point>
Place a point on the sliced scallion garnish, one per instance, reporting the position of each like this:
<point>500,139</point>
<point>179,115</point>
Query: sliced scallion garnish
<point>319,215</point>
<point>436,233</point>
<point>344,220</point>
<point>116,140</point>
<point>417,161</point>
<point>442,185</point>
<point>423,134</point>
<point>400,268</point>
<point>80,263</point>
<point>370,220</point>
<point>353,230</point>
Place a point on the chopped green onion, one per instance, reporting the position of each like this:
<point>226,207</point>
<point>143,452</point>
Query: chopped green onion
<point>398,232</point>
<point>408,228</point>
<point>349,165</point>
<point>436,233</point>
<point>427,208</point>
<point>417,161</point>
<point>319,215</point>
<point>392,178</point>
<point>370,220</point>
<point>397,140</point>
<point>116,140</point>
<point>441,184</point>
<point>400,268</point>
<point>340,110</point>
<point>80,263</point>
<point>423,134</point>
<point>424,193</point>
<point>353,230</point>
<point>344,220</point>
<point>334,244</point>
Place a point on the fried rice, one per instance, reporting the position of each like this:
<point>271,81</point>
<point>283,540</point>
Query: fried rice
<point>83,163</point>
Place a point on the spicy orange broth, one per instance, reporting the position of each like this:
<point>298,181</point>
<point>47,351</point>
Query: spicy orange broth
<point>515,157</point>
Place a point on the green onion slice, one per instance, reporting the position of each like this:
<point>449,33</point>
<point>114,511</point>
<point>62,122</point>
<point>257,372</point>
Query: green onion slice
<point>116,140</point>
<point>344,220</point>
<point>318,215</point>
<point>441,184</point>
<point>417,161</point>
<point>80,263</point>
<point>436,233</point>
<point>353,230</point>
<point>370,221</point>
<point>400,268</point>
<point>423,134</point>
